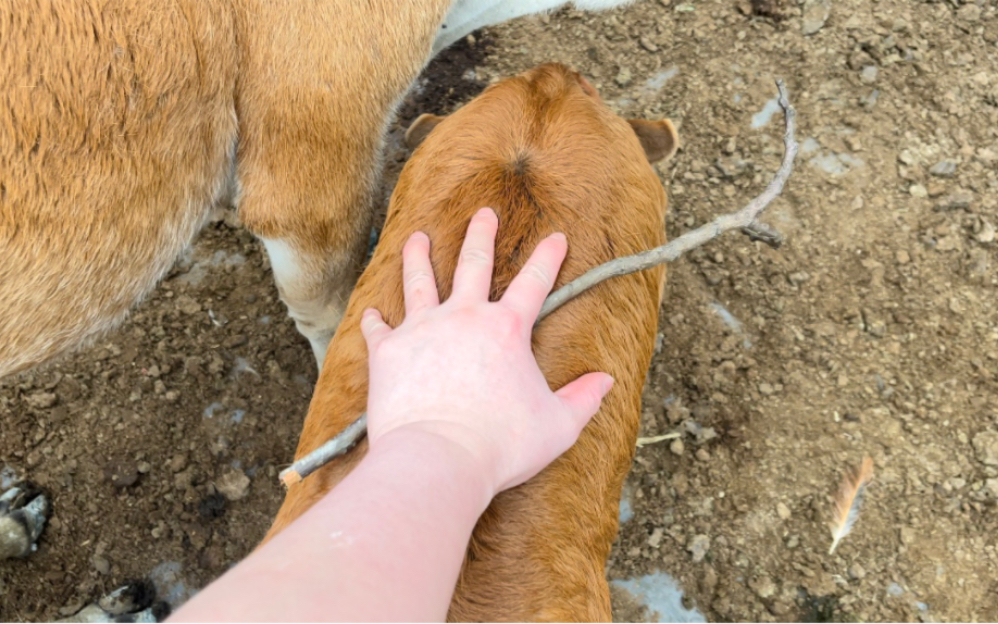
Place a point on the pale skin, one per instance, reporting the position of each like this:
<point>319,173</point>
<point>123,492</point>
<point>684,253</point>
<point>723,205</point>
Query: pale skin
<point>455,395</point>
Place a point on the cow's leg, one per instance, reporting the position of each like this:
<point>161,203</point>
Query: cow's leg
<point>314,101</point>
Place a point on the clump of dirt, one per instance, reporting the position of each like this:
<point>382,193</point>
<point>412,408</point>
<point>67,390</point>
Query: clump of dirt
<point>873,331</point>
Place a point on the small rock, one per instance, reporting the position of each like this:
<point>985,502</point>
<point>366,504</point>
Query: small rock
<point>766,388</point>
<point>907,535</point>
<point>943,169</point>
<point>102,565</point>
<point>991,488</point>
<point>41,400</point>
<point>702,455</point>
<point>648,44</point>
<point>793,541</point>
<point>623,77</point>
<point>782,511</point>
<point>178,463</point>
<point>656,538</point>
<point>677,447</point>
<point>959,199</point>
<point>902,257</point>
<point>948,243</point>
<point>183,480</point>
<point>816,13</point>
<point>187,305</point>
<point>763,586</point>
<point>969,13</point>
<point>986,447</point>
<point>868,75</point>
<point>698,547</point>
<point>708,580</point>
<point>121,473</point>
<point>144,467</point>
<point>986,233</point>
<point>917,190</point>
<point>856,572</point>
<point>233,485</point>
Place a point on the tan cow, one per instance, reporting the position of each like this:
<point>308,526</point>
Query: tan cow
<point>123,122</point>
<point>547,155</point>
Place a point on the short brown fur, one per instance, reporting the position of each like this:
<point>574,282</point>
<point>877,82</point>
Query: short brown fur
<point>547,157</point>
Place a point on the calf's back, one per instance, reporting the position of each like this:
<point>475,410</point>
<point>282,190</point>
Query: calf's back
<point>547,155</point>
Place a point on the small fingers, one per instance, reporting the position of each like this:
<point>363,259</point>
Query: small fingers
<point>473,276</point>
<point>373,327</point>
<point>418,283</point>
<point>527,291</point>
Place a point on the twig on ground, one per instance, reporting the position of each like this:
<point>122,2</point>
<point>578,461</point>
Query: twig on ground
<point>659,438</point>
<point>746,220</point>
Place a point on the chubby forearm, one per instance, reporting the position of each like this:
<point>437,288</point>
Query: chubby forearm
<point>386,544</point>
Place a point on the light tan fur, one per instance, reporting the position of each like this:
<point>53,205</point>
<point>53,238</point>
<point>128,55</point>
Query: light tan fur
<point>547,155</point>
<point>123,122</point>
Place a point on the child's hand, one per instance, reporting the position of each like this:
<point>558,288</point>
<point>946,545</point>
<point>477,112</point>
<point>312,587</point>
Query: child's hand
<point>464,369</point>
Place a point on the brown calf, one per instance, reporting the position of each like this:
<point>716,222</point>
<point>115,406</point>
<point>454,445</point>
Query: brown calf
<point>547,155</point>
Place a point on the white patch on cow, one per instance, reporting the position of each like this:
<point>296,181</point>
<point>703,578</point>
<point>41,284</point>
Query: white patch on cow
<point>284,260</point>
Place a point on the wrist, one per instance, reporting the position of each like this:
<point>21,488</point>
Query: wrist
<point>435,447</point>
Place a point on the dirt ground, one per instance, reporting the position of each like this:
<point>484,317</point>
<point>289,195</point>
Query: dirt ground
<point>873,331</point>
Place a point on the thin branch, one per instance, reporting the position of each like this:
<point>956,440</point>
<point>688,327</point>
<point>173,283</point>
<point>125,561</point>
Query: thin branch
<point>325,453</point>
<point>745,220</point>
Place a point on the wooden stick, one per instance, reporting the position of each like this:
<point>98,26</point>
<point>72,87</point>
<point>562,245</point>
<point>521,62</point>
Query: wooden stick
<point>745,220</point>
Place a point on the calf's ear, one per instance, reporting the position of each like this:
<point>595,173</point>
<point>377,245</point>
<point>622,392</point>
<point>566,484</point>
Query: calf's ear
<point>658,138</point>
<point>420,128</point>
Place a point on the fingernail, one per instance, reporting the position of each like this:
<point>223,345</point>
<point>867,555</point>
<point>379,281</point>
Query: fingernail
<point>607,384</point>
<point>560,235</point>
<point>487,210</point>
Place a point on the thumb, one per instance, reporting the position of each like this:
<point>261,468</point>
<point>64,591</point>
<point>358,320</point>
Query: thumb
<point>374,328</point>
<point>583,396</point>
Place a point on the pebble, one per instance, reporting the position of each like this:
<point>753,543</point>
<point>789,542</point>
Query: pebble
<point>969,13</point>
<point>623,77</point>
<point>698,547</point>
<point>816,13</point>
<point>677,447</point>
<point>868,75</point>
<point>948,243</point>
<point>102,565</point>
<point>233,485</point>
<point>656,538</point>
<point>943,169</point>
<point>986,447</point>
<point>986,233</point>
<point>766,388</point>
<point>648,44</point>
<point>902,257</point>
<point>702,455</point>
<point>782,511</point>
<point>121,474</point>
<point>959,199</point>
<point>178,463</point>
<point>41,400</point>
<point>763,586</point>
<point>856,572</point>
<point>917,190</point>
<point>187,305</point>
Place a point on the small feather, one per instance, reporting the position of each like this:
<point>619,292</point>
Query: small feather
<point>848,499</point>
